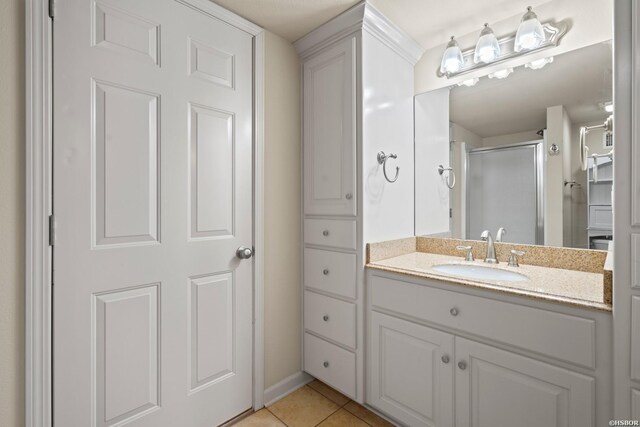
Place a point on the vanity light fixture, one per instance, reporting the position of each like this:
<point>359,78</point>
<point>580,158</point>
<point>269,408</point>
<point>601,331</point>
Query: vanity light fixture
<point>501,74</point>
<point>487,48</point>
<point>531,36</point>
<point>452,60</point>
<point>539,63</point>
<point>530,33</point>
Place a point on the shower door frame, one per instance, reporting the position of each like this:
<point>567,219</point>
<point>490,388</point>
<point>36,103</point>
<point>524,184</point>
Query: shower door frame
<point>538,145</point>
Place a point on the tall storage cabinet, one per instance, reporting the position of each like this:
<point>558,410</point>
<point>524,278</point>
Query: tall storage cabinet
<point>357,77</point>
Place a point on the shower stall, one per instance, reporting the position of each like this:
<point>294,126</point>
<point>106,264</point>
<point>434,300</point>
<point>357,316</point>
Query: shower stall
<point>505,188</point>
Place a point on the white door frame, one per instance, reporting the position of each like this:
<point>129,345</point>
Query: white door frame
<point>38,328</point>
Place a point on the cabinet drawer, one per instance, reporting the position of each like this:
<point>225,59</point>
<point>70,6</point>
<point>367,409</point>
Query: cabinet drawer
<point>600,217</point>
<point>330,232</point>
<point>330,364</point>
<point>561,336</point>
<point>328,271</point>
<point>330,318</point>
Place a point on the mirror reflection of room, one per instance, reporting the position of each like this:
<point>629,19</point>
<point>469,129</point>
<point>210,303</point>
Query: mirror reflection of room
<point>530,153</point>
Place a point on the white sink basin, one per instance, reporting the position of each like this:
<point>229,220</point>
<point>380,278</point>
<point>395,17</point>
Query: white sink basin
<point>473,271</point>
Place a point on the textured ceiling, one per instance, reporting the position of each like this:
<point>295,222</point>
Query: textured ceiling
<point>429,22</point>
<point>579,80</point>
<point>290,19</point>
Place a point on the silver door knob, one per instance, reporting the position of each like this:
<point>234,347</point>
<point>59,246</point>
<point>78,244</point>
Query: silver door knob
<point>462,365</point>
<point>454,311</point>
<point>244,253</point>
<point>445,359</point>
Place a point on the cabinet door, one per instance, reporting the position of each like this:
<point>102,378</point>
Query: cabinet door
<point>411,372</point>
<point>497,388</point>
<point>330,131</point>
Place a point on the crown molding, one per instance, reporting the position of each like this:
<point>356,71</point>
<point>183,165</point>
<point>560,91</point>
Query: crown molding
<point>390,34</point>
<point>362,16</point>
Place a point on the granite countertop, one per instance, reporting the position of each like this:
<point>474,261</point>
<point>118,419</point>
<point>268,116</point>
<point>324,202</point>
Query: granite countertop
<point>579,288</point>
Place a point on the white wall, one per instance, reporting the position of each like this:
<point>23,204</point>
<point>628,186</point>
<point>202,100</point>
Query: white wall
<point>591,22</point>
<point>554,184</point>
<point>12,202</point>
<point>568,223</point>
<point>388,127</point>
<point>460,136</point>
<point>282,210</point>
<point>432,149</point>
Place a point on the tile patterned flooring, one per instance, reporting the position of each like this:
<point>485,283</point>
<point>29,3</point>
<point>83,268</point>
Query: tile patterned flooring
<point>315,404</point>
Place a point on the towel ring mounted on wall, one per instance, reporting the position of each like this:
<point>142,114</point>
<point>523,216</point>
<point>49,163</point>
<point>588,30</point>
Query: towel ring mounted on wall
<point>451,177</point>
<point>382,160</point>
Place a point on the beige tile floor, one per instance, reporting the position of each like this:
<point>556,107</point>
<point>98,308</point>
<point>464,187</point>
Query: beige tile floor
<point>315,404</point>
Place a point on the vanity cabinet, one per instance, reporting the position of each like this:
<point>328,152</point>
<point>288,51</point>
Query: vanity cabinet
<point>499,388</point>
<point>357,93</point>
<point>330,130</point>
<point>413,370</point>
<point>441,355</point>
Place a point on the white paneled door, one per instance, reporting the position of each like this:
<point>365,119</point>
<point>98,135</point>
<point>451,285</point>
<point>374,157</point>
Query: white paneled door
<point>152,197</point>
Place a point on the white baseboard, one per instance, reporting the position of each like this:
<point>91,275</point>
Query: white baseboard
<point>286,386</point>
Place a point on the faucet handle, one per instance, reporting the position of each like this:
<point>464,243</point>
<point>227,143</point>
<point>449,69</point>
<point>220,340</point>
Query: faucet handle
<point>485,235</point>
<point>513,258</point>
<point>469,252</point>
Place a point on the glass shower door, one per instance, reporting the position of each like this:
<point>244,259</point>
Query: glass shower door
<point>504,189</point>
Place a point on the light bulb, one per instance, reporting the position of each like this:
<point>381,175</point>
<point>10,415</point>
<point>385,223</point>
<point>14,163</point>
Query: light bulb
<point>530,33</point>
<point>487,48</point>
<point>452,60</point>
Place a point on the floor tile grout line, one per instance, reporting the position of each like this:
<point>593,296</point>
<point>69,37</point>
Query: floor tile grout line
<point>282,421</point>
<point>355,415</point>
<point>328,416</point>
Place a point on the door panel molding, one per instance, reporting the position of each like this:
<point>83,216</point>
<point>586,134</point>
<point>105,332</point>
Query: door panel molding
<point>39,199</point>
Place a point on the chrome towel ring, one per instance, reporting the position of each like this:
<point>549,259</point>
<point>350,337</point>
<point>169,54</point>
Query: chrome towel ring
<point>382,160</point>
<point>451,177</point>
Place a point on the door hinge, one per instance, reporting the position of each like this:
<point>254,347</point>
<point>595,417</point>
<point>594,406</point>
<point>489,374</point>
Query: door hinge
<point>52,230</point>
<point>450,213</point>
<point>52,9</point>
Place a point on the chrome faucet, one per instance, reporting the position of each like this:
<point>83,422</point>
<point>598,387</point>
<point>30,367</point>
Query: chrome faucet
<point>490,258</point>
<point>501,232</point>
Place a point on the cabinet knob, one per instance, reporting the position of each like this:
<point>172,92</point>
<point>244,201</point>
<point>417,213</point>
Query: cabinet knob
<point>454,311</point>
<point>325,318</point>
<point>462,365</point>
<point>325,271</point>
<point>325,233</point>
<point>445,359</point>
<point>325,364</point>
<point>348,196</point>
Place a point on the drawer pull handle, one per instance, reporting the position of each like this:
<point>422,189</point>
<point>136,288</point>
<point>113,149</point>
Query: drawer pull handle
<point>325,318</point>
<point>325,233</point>
<point>325,271</point>
<point>454,311</point>
<point>348,196</point>
<point>325,364</point>
<point>462,365</point>
<point>445,359</point>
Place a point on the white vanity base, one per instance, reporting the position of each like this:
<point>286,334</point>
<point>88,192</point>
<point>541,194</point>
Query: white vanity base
<point>440,354</point>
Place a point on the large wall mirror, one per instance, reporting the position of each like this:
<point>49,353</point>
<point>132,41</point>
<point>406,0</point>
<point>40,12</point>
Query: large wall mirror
<point>506,153</point>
